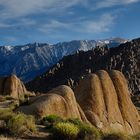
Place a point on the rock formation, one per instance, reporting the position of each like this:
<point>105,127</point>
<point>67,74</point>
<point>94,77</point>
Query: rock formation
<point>102,99</point>
<point>12,86</point>
<point>106,102</point>
<point>125,58</point>
<point>60,101</point>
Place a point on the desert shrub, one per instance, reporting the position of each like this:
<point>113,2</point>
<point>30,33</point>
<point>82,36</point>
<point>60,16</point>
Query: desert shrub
<point>87,132</point>
<point>4,98</point>
<point>50,120</point>
<point>6,114</point>
<point>13,105</point>
<point>65,131</point>
<point>25,98</point>
<point>9,105</point>
<point>16,123</point>
<point>117,136</point>
<point>30,122</point>
<point>20,123</point>
<point>8,97</point>
<point>75,121</point>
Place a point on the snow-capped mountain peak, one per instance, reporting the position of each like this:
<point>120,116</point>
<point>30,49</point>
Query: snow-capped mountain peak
<point>28,61</point>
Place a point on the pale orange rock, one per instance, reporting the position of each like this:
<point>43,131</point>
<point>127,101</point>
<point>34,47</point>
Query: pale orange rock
<point>59,101</point>
<point>106,103</point>
<point>12,86</point>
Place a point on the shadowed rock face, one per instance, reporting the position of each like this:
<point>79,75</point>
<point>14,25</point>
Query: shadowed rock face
<point>12,86</point>
<point>105,101</point>
<point>60,101</point>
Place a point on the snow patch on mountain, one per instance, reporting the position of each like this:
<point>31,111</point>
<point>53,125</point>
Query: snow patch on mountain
<point>30,60</point>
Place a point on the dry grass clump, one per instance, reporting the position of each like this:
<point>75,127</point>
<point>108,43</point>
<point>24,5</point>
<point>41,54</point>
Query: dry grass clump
<point>20,123</point>
<point>16,123</point>
<point>6,114</point>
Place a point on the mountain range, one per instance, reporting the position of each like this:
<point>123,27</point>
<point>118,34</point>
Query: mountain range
<point>30,60</point>
<point>125,58</point>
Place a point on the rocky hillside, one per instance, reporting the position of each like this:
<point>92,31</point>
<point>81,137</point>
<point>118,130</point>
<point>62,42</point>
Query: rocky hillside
<point>28,61</point>
<point>125,58</point>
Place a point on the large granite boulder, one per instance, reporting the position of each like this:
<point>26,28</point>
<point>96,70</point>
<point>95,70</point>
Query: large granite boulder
<point>105,100</point>
<point>12,86</point>
<point>59,101</point>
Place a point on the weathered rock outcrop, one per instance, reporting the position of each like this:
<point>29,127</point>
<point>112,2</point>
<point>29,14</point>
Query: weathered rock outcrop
<point>103,100</point>
<point>12,86</point>
<point>60,101</point>
<point>106,102</point>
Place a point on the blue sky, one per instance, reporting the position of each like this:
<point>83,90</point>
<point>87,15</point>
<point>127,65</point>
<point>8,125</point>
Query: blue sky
<point>52,21</point>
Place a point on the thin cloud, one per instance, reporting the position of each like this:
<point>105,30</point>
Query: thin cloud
<point>102,24</point>
<point>111,3</point>
<point>58,17</point>
<point>27,22</point>
<point>5,25</point>
<point>23,22</point>
<point>10,39</point>
<point>53,25</point>
<point>18,8</point>
<point>21,8</point>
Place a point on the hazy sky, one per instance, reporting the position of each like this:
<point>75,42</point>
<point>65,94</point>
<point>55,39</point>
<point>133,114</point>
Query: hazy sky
<point>52,21</point>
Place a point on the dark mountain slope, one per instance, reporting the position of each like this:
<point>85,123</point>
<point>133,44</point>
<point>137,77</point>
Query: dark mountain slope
<point>125,58</point>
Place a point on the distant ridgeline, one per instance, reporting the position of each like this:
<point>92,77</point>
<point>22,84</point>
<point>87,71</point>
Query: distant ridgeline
<point>30,60</point>
<point>125,58</point>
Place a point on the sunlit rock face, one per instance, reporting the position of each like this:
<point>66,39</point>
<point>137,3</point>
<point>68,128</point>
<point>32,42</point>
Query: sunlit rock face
<point>12,86</point>
<point>101,99</point>
<point>104,98</point>
<point>59,101</point>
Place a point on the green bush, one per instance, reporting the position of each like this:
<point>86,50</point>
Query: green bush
<point>87,132</point>
<point>20,123</point>
<point>65,131</point>
<point>117,136</point>
<point>6,114</point>
<point>51,120</point>
<point>75,121</point>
